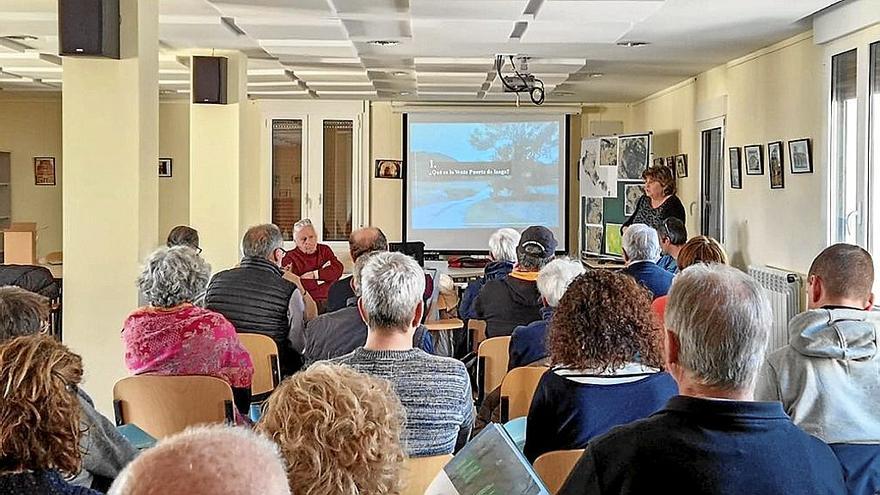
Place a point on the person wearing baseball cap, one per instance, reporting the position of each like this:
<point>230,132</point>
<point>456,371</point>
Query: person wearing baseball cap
<point>513,301</point>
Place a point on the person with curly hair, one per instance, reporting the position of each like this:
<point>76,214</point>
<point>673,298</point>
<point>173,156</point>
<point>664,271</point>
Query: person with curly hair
<point>700,249</point>
<point>339,431</point>
<point>171,336</point>
<point>39,417</point>
<point>605,358</point>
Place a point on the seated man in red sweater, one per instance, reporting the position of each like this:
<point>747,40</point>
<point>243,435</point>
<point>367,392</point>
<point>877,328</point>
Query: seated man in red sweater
<point>315,263</point>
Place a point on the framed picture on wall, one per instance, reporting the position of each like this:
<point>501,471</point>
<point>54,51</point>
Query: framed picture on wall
<point>658,162</point>
<point>800,158</point>
<point>754,159</point>
<point>681,166</point>
<point>775,162</point>
<point>735,157</point>
<point>389,169</point>
<point>670,162</point>
<point>44,170</point>
<point>164,167</point>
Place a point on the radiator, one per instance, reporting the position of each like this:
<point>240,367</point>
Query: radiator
<point>784,290</point>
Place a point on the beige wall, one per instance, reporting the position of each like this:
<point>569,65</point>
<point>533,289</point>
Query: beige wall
<point>30,125</point>
<point>386,142</point>
<point>775,94</point>
<point>174,144</point>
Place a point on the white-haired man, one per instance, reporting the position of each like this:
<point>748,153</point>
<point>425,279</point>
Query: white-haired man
<point>713,437</point>
<point>314,263</point>
<point>641,250</point>
<point>528,344</point>
<point>502,253</point>
<point>435,391</point>
<point>207,460</point>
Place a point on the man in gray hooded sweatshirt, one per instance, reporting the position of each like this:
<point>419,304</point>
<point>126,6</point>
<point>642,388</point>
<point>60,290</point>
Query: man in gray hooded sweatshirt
<point>828,376</point>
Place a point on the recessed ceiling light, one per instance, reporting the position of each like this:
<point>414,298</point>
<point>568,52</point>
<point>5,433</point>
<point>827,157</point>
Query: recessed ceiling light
<point>631,44</point>
<point>595,74</point>
<point>398,73</point>
<point>405,93</point>
<point>384,42</point>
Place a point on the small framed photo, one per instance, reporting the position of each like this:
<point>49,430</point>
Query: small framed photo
<point>681,166</point>
<point>775,160</point>
<point>670,162</point>
<point>754,159</point>
<point>389,169</point>
<point>44,170</point>
<point>164,167</point>
<point>800,156</point>
<point>658,162</point>
<point>735,158</point>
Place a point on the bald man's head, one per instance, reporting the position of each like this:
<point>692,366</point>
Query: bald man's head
<point>206,461</point>
<point>366,240</point>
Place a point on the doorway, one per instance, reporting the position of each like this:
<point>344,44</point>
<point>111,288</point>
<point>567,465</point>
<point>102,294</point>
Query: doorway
<point>712,179</point>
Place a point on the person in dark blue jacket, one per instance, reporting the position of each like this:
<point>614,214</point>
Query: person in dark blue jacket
<point>641,250</point>
<point>606,365</point>
<point>528,343</point>
<point>673,236</point>
<point>502,251</point>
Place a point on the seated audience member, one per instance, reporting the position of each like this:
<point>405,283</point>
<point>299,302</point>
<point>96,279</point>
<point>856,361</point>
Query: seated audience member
<point>37,279</point>
<point>335,334</point>
<point>641,249</point>
<point>713,438</point>
<point>502,253</point>
<point>39,417</point>
<point>700,249</point>
<point>258,297</point>
<point>183,235</point>
<point>361,241</point>
<point>435,391</point>
<point>528,344</point>
<point>105,451</point>
<point>314,263</point>
<point>173,337</point>
<point>828,376</point>
<point>673,235</point>
<point>514,300</point>
<point>206,460</point>
<point>604,349</point>
<point>339,431</point>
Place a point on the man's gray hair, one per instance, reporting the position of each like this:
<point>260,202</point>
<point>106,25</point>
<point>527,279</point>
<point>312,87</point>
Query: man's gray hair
<point>301,224</point>
<point>260,241</point>
<point>172,276</point>
<point>722,318</point>
<point>502,244</point>
<point>554,278</point>
<point>391,286</point>
<point>207,460</point>
<point>641,243</point>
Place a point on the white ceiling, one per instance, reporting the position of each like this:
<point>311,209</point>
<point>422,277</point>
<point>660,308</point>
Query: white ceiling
<point>445,48</point>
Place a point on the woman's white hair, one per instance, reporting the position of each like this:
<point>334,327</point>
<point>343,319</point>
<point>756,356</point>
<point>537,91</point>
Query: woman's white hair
<point>641,243</point>
<point>555,277</point>
<point>502,244</point>
<point>173,275</point>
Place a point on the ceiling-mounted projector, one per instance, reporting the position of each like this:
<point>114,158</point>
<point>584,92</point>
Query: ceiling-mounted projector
<point>520,81</point>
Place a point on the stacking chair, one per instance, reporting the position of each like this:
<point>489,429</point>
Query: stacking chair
<point>419,472</point>
<point>554,467</point>
<point>267,368</point>
<point>163,405</point>
<point>492,359</point>
<point>517,390</point>
<point>476,333</point>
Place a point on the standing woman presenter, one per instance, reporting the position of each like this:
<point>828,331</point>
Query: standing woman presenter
<point>659,201</point>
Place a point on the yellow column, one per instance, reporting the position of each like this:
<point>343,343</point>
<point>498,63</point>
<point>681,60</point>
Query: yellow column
<point>110,142</point>
<point>215,163</point>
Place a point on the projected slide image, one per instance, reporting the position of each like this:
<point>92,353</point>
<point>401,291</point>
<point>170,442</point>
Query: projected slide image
<point>484,175</point>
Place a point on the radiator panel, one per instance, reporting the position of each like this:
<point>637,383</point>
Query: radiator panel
<point>784,291</point>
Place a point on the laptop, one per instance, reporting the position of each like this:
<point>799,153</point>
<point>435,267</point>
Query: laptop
<point>490,464</point>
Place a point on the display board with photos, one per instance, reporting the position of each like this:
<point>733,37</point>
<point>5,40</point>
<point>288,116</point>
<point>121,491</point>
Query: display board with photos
<point>610,173</point>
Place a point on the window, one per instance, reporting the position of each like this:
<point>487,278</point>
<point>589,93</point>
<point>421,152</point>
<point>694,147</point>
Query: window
<point>874,155</point>
<point>845,172</point>
<point>336,197</point>
<point>287,174</point>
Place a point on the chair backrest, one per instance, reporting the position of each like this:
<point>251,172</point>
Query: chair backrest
<point>554,467</point>
<point>517,390</point>
<point>477,329</point>
<point>164,405</point>
<point>55,258</point>
<point>492,358</point>
<point>264,355</point>
<point>419,472</point>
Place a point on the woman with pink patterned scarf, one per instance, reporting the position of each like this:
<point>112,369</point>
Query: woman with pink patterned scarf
<point>171,336</point>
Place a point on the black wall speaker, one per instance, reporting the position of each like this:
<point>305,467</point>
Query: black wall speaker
<point>209,80</point>
<point>88,28</point>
